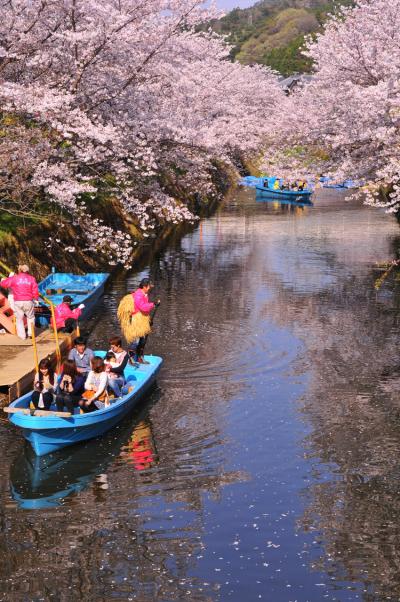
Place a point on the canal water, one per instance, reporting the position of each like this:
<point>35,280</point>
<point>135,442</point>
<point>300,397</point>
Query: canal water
<point>265,465</point>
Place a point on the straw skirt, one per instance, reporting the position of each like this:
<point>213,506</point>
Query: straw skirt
<point>133,326</point>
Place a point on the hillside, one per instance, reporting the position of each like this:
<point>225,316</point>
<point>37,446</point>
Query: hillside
<point>272,32</point>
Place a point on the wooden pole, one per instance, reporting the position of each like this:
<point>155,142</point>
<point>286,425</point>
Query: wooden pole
<point>53,321</point>
<point>58,352</point>
<point>27,412</point>
<point>35,351</point>
<point>5,267</point>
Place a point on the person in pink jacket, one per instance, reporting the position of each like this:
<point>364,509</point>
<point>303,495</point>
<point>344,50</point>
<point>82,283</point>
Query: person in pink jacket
<point>25,291</point>
<point>143,306</point>
<point>66,318</point>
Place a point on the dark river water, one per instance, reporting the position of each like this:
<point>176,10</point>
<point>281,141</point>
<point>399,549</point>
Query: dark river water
<point>265,465</point>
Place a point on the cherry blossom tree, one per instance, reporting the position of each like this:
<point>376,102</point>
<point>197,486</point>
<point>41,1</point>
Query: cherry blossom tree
<point>109,96</point>
<point>346,121</point>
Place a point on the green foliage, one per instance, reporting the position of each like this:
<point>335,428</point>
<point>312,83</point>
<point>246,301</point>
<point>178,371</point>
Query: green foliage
<point>8,222</point>
<point>273,32</point>
<point>288,59</point>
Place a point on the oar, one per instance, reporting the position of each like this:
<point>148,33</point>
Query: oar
<point>27,412</point>
<point>35,351</point>
<point>5,267</point>
<point>53,322</point>
<point>153,314</point>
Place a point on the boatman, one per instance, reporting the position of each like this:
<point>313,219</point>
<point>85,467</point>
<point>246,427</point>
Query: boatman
<point>67,318</point>
<point>134,314</point>
<point>25,290</point>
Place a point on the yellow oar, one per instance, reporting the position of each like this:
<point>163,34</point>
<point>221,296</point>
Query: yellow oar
<point>53,321</point>
<point>5,267</point>
<point>35,351</point>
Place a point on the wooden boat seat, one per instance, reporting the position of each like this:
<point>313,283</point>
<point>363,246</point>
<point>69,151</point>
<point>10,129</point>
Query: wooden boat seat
<point>67,291</point>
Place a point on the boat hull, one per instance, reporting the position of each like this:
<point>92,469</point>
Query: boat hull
<point>49,434</point>
<point>302,196</point>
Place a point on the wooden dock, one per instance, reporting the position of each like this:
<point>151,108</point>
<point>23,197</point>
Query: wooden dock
<point>17,364</point>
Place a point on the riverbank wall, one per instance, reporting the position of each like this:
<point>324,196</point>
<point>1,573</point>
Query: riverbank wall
<point>44,243</point>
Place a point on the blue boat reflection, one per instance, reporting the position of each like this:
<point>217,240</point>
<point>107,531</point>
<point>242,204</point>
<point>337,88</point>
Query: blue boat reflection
<point>39,482</point>
<point>265,197</point>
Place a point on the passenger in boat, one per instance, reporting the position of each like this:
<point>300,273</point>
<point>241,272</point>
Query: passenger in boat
<point>67,318</point>
<point>25,292</point>
<point>70,388</point>
<point>44,385</point>
<point>110,361</point>
<point>276,185</point>
<point>141,314</point>
<point>116,378</point>
<point>95,396</point>
<point>82,356</point>
<point>301,185</point>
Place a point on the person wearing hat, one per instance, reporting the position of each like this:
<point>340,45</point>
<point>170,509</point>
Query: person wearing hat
<point>67,318</point>
<point>25,293</point>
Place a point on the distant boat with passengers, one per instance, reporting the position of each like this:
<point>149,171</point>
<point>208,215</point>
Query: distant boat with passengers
<point>276,188</point>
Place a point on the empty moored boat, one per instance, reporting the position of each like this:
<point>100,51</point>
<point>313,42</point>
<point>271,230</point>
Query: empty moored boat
<point>86,289</point>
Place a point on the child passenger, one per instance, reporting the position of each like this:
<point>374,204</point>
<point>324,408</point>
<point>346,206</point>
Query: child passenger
<point>117,380</point>
<point>110,361</point>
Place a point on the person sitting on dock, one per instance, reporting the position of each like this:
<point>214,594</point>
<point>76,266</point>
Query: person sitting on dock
<point>82,356</point>
<point>67,318</point>
<point>44,385</point>
<point>70,388</point>
<point>116,378</point>
<point>24,289</point>
<point>95,396</point>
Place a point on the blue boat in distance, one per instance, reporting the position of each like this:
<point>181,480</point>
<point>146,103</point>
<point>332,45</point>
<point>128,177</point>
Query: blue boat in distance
<point>269,187</point>
<point>86,289</point>
<point>346,185</point>
<point>49,433</point>
<point>264,197</point>
<point>250,181</point>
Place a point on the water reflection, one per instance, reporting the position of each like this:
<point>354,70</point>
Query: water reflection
<point>47,481</point>
<point>284,205</point>
<point>266,464</point>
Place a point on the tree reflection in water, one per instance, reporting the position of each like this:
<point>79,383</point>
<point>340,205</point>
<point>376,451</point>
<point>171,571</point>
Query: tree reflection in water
<point>353,406</point>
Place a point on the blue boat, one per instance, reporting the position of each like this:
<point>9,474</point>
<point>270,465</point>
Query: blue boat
<point>264,197</point>
<point>50,433</point>
<point>346,185</point>
<point>250,181</point>
<point>86,289</point>
<point>267,187</point>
